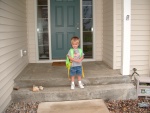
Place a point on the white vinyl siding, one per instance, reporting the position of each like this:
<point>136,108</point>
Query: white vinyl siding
<point>108,32</point>
<point>140,36</point>
<point>31,20</point>
<point>13,38</point>
<point>98,22</point>
<point>118,33</point>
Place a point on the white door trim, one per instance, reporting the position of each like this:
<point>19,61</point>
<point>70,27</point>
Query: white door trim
<point>49,30</point>
<point>126,37</point>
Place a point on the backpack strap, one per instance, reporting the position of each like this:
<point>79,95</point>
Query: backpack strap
<point>72,53</point>
<point>80,51</point>
<point>68,63</point>
<point>68,60</point>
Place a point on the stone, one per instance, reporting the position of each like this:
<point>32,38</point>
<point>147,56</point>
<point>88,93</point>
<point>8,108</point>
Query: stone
<point>41,87</point>
<point>35,88</point>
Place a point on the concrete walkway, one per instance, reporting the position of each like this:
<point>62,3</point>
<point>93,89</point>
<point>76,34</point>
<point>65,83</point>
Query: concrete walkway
<point>82,106</point>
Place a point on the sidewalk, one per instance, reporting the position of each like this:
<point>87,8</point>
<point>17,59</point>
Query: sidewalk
<point>82,106</point>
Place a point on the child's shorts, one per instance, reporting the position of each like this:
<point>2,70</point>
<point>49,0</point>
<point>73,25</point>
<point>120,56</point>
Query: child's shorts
<point>76,71</point>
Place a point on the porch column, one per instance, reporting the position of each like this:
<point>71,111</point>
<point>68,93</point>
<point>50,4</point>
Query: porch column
<point>126,34</point>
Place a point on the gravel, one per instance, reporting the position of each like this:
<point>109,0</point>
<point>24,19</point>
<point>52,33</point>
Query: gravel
<point>128,106</point>
<point>22,107</point>
<point>114,106</point>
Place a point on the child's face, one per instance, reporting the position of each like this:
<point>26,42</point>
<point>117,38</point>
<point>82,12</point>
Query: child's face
<point>75,45</point>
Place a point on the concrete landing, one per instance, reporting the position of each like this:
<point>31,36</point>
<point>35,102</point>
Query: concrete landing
<point>96,73</point>
<point>82,106</point>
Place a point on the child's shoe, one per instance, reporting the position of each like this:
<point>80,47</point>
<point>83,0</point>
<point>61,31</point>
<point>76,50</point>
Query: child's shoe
<point>81,85</point>
<point>72,86</point>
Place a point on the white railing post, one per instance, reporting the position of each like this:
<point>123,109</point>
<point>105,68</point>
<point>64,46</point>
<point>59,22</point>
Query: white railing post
<point>126,37</point>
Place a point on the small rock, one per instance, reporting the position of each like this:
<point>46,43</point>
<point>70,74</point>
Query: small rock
<point>35,88</point>
<point>41,87</point>
<point>16,88</point>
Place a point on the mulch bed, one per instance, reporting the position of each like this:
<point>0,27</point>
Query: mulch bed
<point>22,107</point>
<point>114,106</point>
<point>128,106</point>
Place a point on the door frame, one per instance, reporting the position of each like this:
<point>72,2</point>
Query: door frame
<point>81,33</point>
<point>49,30</point>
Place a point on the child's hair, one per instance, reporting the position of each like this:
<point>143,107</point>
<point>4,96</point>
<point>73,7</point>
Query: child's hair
<point>75,39</point>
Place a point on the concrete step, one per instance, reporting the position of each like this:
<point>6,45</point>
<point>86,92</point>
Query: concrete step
<point>60,82</point>
<point>53,94</point>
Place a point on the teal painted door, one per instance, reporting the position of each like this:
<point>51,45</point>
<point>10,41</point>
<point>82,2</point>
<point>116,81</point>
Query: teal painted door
<point>65,23</point>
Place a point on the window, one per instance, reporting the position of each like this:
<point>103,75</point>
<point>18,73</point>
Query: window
<point>42,29</point>
<point>87,28</point>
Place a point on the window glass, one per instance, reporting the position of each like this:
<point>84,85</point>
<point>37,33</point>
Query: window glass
<point>88,51</point>
<point>42,25</point>
<point>87,10</point>
<point>87,37</point>
<point>42,2</point>
<point>87,24</point>
<point>87,2</point>
<point>42,29</point>
<point>42,12</point>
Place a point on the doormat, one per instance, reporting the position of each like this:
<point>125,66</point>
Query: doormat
<point>58,64</point>
<point>81,106</point>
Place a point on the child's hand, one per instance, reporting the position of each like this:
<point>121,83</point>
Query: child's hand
<point>78,60</point>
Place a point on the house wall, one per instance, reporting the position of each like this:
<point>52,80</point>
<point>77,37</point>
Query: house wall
<point>31,17</point>
<point>13,38</point>
<point>118,24</point>
<point>98,23</point>
<point>98,29</point>
<point>108,32</point>
<point>140,36</point>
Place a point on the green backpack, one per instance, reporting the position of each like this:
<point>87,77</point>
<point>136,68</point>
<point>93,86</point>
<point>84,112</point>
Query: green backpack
<point>68,63</point>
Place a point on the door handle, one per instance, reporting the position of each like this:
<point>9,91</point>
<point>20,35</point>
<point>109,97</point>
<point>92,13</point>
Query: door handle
<point>77,26</point>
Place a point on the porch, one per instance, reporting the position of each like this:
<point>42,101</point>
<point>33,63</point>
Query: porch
<point>19,32</point>
<point>100,82</point>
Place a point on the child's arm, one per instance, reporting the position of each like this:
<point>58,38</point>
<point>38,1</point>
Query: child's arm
<point>76,60</point>
<point>82,58</point>
<point>79,60</point>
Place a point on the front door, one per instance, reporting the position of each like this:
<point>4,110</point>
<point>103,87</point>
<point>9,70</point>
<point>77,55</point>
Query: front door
<point>65,23</point>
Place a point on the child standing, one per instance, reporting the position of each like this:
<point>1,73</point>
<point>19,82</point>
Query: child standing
<point>76,66</point>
